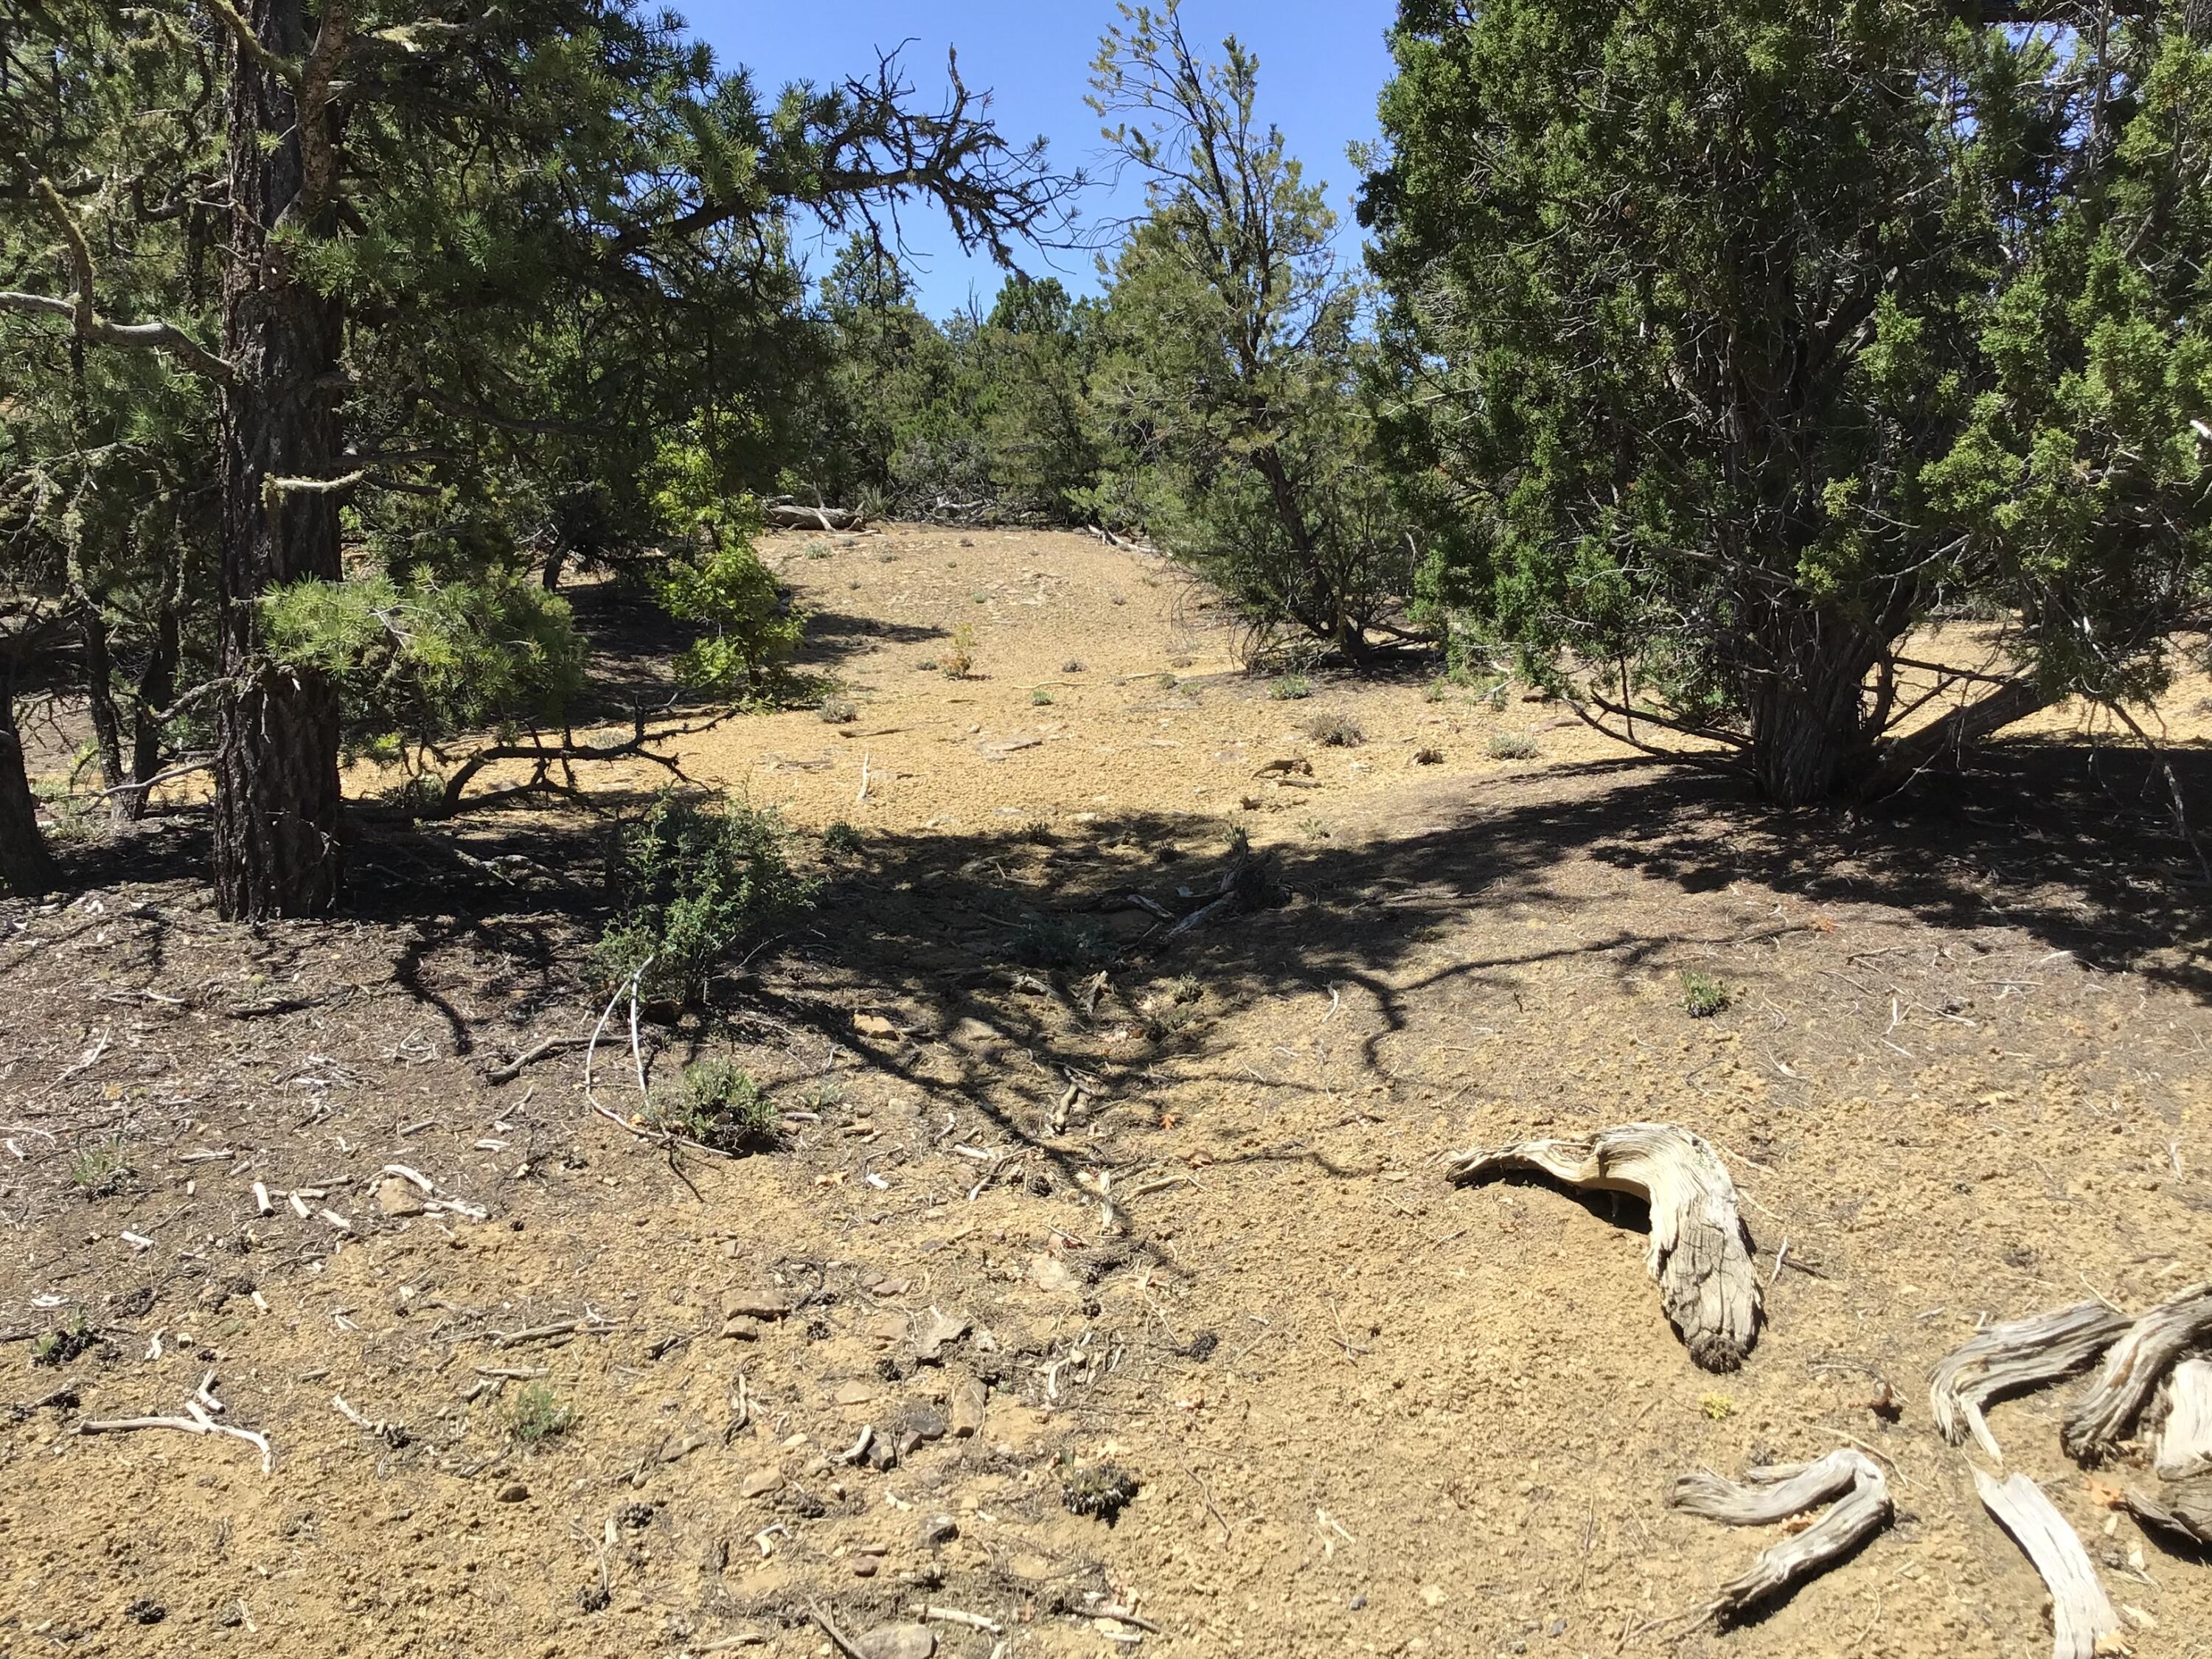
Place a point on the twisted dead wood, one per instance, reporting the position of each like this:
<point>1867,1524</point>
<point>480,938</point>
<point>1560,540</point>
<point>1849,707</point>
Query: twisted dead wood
<point>1700,1254</point>
<point>1771,1494</point>
<point>2185,1509</point>
<point>2135,1367</point>
<point>2081,1616</point>
<point>2011,1359</point>
<point>2184,1436</point>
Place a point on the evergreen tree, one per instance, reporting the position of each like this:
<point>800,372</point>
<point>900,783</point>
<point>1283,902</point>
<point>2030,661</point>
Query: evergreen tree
<point>1721,326</point>
<point>447,227</point>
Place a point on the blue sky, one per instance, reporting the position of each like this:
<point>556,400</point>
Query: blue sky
<point>1322,64</point>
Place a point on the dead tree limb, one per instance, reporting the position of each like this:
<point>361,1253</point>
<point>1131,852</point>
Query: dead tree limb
<point>2184,1510</point>
<point>2185,1435</point>
<point>1700,1254</point>
<point>1771,1494</point>
<point>2138,1362</point>
<point>2013,1358</point>
<point>790,515</point>
<point>2082,1615</point>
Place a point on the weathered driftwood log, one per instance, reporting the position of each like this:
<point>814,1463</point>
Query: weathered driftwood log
<point>1771,1494</point>
<point>2185,1509</point>
<point>2138,1363</point>
<point>1700,1253</point>
<point>2010,1358</point>
<point>2081,1616</point>
<point>2184,1436</point>
<point>789,515</point>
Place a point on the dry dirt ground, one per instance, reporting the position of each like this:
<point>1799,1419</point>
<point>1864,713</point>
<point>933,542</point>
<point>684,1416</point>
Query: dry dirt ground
<point>1964,1076</point>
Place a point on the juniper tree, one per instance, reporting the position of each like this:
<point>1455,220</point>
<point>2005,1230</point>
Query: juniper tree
<point>447,228</point>
<point>1743,340</point>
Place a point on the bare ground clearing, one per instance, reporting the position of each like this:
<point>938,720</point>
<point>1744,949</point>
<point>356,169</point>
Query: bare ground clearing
<point>1964,1075</point>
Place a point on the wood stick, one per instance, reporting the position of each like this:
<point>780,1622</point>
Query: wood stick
<point>2082,1615</point>
<point>837,1636</point>
<point>1769,1494</point>
<point>2135,1366</point>
<point>923,1610</point>
<point>1700,1254</point>
<point>2185,1438</point>
<point>2008,1359</point>
<point>200,1425</point>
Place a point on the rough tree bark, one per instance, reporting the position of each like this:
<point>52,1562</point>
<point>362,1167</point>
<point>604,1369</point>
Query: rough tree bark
<point>1771,1494</point>
<point>2081,1616</point>
<point>157,686</point>
<point>26,864</point>
<point>2015,1357</point>
<point>2135,1366</point>
<point>278,846</point>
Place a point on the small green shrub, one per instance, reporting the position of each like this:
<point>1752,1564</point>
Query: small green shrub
<point>1439,690</point>
<point>817,551</point>
<point>1103,1490</point>
<point>1168,682</point>
<point>957,661</point>
<point>1041,698</point>
<point>60,1347</point>
<point>539,1414</point>
<point>1703,996</point>
<point>1512,745</point>
<point>1184,988</point>
<point>836,710</point>
<point>1037,833</point>
<point>842,841</point>
<point>1291,687</point>
<point>691,879</point>
<point>101,1168</point>
<point>419,794</point>
<point>1335,732</point>
<point>1073,665</point>
<point>824,1095</point>
<point>719,1105</point>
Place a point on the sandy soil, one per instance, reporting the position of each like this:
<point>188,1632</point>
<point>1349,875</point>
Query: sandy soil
<point>1963,1076</point>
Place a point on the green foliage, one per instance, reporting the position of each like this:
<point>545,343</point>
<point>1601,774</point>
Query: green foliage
<point>718,582</point>
<point>538,1414</point>
<point>691,879</point>
<point>1290,688</point>
<point>1513,745</point>
<point>101,1168</point>
<point>427,660</point>
<point>1229,390</point>
<point>957,660</point>
<point>838,710</point>
<point>1738,341</point>
<point>718,1106</point>
<point>1051,942</point>
<point>1703,996</point>
<point>58,1347</point>
<point>841,840</point>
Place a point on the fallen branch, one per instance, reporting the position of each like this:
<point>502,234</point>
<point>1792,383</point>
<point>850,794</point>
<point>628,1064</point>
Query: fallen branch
<point>2081,1616</point>
<point>198,1423</point>
<point>2185,1435</point>
<point>1700,1254</point>
<point>536,1051</point>
<point>2010,1358</point>
<point>2184,1510</point>
<point>2133,1368</point>
<point>1772,1494</point>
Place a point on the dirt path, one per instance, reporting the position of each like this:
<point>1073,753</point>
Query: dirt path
<point>1963,1076</point>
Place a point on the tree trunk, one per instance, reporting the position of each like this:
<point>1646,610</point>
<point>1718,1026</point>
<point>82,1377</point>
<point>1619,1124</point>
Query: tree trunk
<point>1807,719</point>
<point>27,865</point>
<point>99,697</point>
<point>157,686</point>
<point>278,849</point>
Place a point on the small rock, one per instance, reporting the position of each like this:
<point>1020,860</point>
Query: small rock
<point>898,1642</point>
<point>890,1286</point>
<point>968,1396</point>
<point>513,1493</point>
<point>743,1330</point>
<point>936,1330</point>
<point>759,1484</point>
<point>398,1198</point>
<point>865,1566</point>
<point>853,1393</point>
<point>1049,1273</point>
<point>938,1529</point>
<point>885,1327</point>
<point>926,1424</point>
<point>1034,1568</point>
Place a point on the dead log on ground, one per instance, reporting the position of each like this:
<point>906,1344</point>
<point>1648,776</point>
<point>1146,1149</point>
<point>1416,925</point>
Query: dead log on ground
<point>1700,1254</point>
<point>2186,1511</point>
<point>2013,1358</point>
<point>1771,1494</point>
<point>790,515</point>
<point>2138,1362</point>
<point>2185,1435</point>
<point>2082,1615</point>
